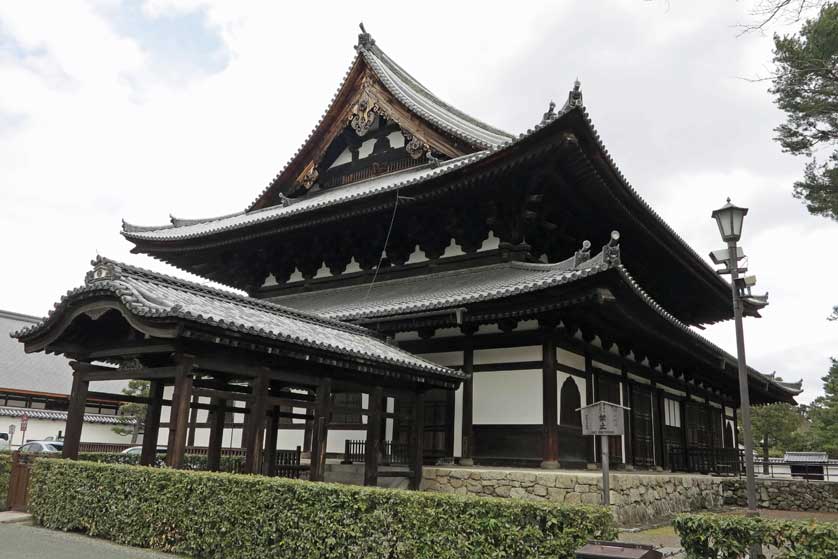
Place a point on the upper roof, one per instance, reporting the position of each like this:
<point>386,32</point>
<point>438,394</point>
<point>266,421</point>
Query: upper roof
<point>148,294</point>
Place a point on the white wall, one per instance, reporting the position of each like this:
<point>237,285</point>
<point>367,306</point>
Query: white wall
<point>508,397</point>
<point>39,429</point>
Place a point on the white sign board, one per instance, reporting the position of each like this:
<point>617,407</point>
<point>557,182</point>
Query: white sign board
<point>603,418</point>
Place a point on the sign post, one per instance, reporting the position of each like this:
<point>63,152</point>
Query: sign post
<point>11,435</point>
<point>603,419</point>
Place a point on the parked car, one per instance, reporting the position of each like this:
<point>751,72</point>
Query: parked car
<point>4,441</point>
<point>139,450</point>
<point>42,446</point>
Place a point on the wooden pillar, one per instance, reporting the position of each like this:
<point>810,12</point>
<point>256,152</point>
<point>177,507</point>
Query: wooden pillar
<point>256,425</point>
<point>320,434</point>
<point>466,454</point>
<point>708,411</point>
<point>589,399</point>
<point>193,422</point>
<point>735,427</point>
<point>179,416</point>
<point>270,443</point>
<point>218,417</point>
<point>373,447</point>
<point>660,458</point>
<point>151,430</point>
<point>75,413</point>
<point>417,439</point>
<point>628,416</point>
<point>684,440</point>
<point>550,401</point>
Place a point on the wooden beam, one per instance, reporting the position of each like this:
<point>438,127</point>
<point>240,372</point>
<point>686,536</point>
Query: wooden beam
<point>75,413</point>
<point>143,349</point>
<point>152,423</point>
<point>146,373</point>
<point>373,437</point>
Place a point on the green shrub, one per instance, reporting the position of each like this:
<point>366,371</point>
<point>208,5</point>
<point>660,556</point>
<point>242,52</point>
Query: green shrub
<point>232,464</point>
<point>730,537</point>
<point>5,474</point>
<point>234,516</point>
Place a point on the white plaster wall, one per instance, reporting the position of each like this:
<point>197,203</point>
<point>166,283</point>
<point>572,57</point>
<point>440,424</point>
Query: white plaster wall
<point>607,368</point>
<point>508,355</point>
<point>446,359</point>
<point>458,422</point>
<point>570,359</point>
<point>40,429</point>
<point>508,397</point>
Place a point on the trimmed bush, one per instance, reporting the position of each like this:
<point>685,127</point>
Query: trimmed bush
<point>232,464</point>
<point>234,516</point>
<point>5,474</point>
<point>730,536</point>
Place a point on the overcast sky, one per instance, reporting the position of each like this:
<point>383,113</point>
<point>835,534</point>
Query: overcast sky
<point>135,110</point>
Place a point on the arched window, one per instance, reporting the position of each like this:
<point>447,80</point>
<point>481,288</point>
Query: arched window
<point>570,403</point>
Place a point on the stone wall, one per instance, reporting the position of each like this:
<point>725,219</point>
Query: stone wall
<point>785,494</point>
<point>636,499</point>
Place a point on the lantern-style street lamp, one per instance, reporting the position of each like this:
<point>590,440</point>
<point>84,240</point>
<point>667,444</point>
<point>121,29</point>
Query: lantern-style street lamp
<point>729,219</point>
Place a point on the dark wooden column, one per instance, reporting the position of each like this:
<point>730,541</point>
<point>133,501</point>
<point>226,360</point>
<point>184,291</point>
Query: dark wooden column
<point>151,429</point>
<point>372,447</point>
<point>193,422</point>
<point>75,413</point>
<point>466,453</point>
<point>589,399</point>
<point>218,417</point>
<point>179,416</point>
<point>735,426</point>
<point>256,425</point>
<point>628,417</point>
<point>320,434</point>
<point>417,439</point>
<point>549,400</point>
<point>660,459</point>
<point>271,435</point>
<point>684,420</point>
<point>711,432</point>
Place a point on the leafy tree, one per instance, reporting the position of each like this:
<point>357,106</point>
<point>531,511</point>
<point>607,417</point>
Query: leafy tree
<point>783,424</point>
<point>805,86</point>
<point>133,410</point>
<point>824,414</point>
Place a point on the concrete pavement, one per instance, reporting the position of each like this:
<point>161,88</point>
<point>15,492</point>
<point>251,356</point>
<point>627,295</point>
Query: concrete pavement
<point>24,541</point>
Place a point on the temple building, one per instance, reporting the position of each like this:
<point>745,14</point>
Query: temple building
<point>487,283</point>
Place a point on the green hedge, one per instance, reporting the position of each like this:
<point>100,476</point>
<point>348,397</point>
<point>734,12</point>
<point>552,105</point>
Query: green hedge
<point>232,464</point>
<point>730,536</point>
<point>5,474</point>
<point>204,514</point>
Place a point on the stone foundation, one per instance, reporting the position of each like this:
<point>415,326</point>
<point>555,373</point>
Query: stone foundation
<point>785,494</point>
<point>636,499</point>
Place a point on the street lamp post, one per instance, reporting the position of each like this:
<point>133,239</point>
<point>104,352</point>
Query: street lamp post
<point>729,219</point>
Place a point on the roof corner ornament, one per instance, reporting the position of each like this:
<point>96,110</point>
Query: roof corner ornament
<point>365,40</point>
<point>102,270</point>
<point>285,200</point>
<point>550,114</point>
<point>583,255</point>
<point>433,161</point>
<point>365,112</point>
<point>574,97</point>
<point>309,178</point>
<point>611,250</point>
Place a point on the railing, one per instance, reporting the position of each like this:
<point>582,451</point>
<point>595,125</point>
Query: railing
<point>806,471</point>
<point>392,453</point>
<point>717,461</point>
<point>105,447</point>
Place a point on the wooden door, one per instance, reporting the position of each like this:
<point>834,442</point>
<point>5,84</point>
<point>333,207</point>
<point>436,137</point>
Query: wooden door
<point>642,435</point>
<point>439,424</point>
<point>608,389</point>
<point>18,496</point>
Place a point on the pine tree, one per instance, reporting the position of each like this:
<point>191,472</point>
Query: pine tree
<point>824,414</point>
<point>133,410</point>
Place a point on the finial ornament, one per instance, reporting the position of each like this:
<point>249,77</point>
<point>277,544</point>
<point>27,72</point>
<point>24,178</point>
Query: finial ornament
<point>365,40</point>
<point>574,98</point>
<point>551,112</point>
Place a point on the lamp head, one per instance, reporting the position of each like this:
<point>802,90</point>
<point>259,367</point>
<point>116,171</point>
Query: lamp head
<point>729,218</point>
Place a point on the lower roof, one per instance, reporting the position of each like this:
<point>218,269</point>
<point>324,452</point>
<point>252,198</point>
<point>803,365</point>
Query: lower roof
<point>149,295</point>
<point>58,415</point>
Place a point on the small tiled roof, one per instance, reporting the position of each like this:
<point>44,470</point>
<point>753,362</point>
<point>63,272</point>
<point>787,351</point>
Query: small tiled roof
<point>151,295</point>
<point>56,415</point>
<point>806,457</point>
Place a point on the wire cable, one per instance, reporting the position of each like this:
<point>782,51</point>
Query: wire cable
<point>384,250</point>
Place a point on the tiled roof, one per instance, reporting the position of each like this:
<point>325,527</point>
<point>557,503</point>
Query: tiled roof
<point>36,372</point>
<point>421,101</point>
<point>151,295</point>
<point>438,291</point>
<point>806,457</point>
<point>471,285</point>
<point>56,415</point>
